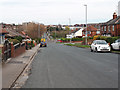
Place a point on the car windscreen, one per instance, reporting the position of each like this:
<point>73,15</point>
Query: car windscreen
<point>119,40</point>
<point>101,42</point>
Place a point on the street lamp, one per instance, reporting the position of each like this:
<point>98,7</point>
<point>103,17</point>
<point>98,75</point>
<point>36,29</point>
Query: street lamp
<point>69,29</point>
<point>86,22</point>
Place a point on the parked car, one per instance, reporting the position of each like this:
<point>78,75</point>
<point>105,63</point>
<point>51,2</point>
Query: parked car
<point>43,44</point>
<point>100,45</point>
<point>116,45</point>
<point>59,40</point>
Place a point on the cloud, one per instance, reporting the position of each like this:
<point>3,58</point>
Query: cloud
<point>56,11</point>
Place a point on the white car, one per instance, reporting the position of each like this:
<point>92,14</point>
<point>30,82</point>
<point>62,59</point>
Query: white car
<point>116,45</point>
<point>100,45</point>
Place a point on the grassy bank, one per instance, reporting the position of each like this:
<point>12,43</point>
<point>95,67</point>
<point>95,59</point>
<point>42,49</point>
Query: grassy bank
<point>116,52</point>
<point>78,45</point>
<point>0,51</point>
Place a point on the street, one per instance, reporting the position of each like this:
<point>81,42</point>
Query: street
<point>60,66</point>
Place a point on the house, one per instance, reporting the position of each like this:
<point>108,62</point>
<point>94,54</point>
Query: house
<point>26,36</point>
<point>2,36</point>
<point>78,33</point>
<point>13,33</point>
<point>75,34</point>
<point>96,25</point>
<point>91,31</point>
<point>72,27</point>
<point>112,27</point>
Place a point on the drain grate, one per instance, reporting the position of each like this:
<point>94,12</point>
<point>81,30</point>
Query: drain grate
<point>26,57</point>
<point>15,62</point>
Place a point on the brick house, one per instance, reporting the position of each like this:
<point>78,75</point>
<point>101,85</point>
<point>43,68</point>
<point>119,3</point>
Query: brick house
<point>91,31</point>
<point>112,27</point>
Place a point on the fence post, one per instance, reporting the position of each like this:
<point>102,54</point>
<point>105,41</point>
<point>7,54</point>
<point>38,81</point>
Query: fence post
<point>12,49</point>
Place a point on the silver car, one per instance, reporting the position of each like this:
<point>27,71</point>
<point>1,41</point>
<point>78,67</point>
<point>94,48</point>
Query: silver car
<point>116,45</point>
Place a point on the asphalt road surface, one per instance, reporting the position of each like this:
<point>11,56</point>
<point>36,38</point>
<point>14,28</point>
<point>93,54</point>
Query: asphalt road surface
<point>60,66</point>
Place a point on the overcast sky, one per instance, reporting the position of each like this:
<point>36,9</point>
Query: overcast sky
<point>56,11</point>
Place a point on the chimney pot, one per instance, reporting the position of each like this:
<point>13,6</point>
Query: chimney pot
<point>114,15</point>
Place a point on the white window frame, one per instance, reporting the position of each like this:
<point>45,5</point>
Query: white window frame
<point>109,28</point>
<point>104,28</point>
<point>113,28</point>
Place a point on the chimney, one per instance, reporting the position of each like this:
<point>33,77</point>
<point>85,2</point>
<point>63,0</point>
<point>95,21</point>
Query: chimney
<point>114,15</point>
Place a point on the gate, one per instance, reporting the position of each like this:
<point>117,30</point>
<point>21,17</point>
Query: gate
<point>6,50</point>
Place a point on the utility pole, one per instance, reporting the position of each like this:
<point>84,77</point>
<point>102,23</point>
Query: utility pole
<point>86,23</point>
<point>69,29</point>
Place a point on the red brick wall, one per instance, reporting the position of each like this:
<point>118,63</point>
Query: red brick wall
<point>93,33</point>
<point>18,51</point>
<point>117,30</point>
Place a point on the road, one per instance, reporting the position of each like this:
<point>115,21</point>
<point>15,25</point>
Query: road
<point>60,66</point>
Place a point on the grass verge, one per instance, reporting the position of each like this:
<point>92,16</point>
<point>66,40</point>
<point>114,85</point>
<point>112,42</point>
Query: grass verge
<point>0,51</point>
<point>116,52</point>
<point>78,45</point>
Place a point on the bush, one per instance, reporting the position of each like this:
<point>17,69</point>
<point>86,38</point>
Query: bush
<point>95,37</point>
<point>77,39</point>
<point>90,37</point>
<point>19,38</point>
<point>73,39</point>
<point>109,40</point>
<point>103,38</point>
<point>15,41</point>
<point>32,44</point>
<point>65,39</point>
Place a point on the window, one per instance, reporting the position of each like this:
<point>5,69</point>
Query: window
<point>98,32</point>
<point>109,28</point>
<point>2,39</point>
<point>104,28</point>
<point>89,32</point>
<point>113,28</point>
<point>83,32</point>
<point>99,27</point>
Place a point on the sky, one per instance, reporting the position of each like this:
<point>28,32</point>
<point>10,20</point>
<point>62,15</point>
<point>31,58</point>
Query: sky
<point>57,11</point>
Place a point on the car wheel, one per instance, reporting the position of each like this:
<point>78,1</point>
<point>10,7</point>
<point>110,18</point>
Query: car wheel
<point>96,49</point>
<point>112,47</point>
<point>91,50</point>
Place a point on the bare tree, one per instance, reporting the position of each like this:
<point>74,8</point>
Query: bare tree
<point>31,29</point>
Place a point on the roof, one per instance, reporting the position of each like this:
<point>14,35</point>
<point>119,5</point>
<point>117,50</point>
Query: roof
<point>113,21</point>
<point>22,32</point>
<point>13,33</point>
<point>4,31</point>
<point>90,28</point>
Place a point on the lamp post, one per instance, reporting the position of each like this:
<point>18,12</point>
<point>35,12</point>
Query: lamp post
<point>86,22</point>
<point>69,29</point>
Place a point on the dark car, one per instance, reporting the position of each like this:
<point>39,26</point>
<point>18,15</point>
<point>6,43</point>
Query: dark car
<point>43,44</point>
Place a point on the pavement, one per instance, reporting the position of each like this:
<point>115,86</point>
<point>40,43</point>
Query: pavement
<point>61,66</point>
<point>12,69</point>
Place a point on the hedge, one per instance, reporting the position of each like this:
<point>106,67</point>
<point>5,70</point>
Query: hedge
<point>15,41</point>
<point>108,39</point>
<point>73,39</point>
